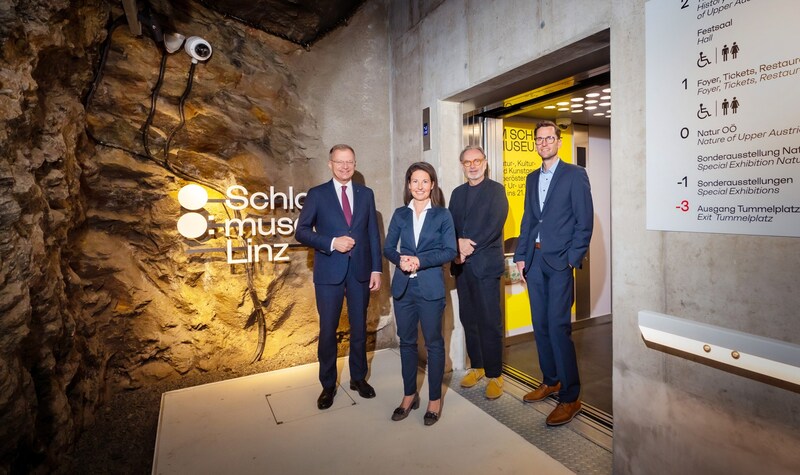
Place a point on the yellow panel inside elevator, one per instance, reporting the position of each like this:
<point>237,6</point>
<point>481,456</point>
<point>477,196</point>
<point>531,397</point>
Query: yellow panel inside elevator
<point>520,159</point>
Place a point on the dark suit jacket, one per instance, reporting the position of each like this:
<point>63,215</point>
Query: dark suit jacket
<point>483,223</point>
<point>565,222</point>
<point>322,219</point>
<point>437,245</point>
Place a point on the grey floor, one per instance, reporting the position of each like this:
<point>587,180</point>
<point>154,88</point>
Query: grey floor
<point>582,446</point>
<point>269,423</point>
<point>593,347</point>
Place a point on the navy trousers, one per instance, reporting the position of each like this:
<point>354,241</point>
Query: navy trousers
<point>329,306</point>
<point>409,310</point>
<point>551,294</point>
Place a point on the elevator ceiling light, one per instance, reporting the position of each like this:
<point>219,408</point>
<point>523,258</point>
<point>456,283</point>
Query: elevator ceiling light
<point>575,102</point>
<point>607,90</point>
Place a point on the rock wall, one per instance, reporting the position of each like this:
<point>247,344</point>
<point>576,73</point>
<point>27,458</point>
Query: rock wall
<point>164,312</point>
<point>51,367</point>
<point>97,291</point>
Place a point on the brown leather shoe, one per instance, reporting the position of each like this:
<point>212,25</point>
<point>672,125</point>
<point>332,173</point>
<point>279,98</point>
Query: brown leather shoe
<point>541,392</point>
<point>563,413</point>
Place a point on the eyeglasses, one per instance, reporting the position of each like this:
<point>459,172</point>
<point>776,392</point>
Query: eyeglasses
<point>548,140</point>
<point>477,162</point>
<point>344,163</point>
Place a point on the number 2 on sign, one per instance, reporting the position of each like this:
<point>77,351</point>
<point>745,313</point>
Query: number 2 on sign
<point>684,206</point>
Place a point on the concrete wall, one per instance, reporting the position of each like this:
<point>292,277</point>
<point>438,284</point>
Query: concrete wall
<point>670,412</point>
<point>671,415</point>
<point>344,80</point>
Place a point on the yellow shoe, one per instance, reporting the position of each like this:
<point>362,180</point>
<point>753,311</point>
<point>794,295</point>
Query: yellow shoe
<point>494,389</point>
<point>472,377</point>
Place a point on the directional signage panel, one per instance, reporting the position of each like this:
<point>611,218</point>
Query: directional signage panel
<point>723,116</point>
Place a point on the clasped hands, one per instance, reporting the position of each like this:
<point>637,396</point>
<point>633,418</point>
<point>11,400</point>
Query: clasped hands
<point>409,264</point>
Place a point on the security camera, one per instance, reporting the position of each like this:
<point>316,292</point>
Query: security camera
<point>563,123</point>
<point>198,48</point>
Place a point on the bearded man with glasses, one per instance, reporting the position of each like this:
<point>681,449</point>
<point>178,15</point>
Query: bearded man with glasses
<point>479,208</point>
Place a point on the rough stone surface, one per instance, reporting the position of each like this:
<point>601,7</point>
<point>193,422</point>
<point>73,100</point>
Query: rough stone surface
<point>51,366</point>
<point>97,293</point>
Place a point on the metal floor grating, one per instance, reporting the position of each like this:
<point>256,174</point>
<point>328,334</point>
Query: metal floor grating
<point>564,443</point>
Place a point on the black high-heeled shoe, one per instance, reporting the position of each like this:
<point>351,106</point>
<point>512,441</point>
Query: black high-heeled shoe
<point>401,413</point>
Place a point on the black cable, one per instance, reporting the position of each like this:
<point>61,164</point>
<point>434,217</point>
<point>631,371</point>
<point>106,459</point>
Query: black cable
<point>181,112</point>
<point>153,101</point>
<point>103,57</point>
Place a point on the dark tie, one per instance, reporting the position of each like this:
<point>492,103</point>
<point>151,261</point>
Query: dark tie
<point>348,213</point>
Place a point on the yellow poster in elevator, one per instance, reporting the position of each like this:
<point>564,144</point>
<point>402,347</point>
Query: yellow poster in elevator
<point>520,159</point>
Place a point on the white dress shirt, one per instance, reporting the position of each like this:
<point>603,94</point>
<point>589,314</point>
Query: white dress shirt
<point>418,222</point>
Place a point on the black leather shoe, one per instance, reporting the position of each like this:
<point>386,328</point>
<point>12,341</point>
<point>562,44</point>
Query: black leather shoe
<point>364,389</point>
<point>431,418</point>
<point>401,413</point>
<point>325,399</point>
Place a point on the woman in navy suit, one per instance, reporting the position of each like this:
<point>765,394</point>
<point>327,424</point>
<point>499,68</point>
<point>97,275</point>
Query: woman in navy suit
<point>426,236</point>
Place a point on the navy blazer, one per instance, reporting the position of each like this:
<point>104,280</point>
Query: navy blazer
<point>322,219</point>
<point>437,245</point>
<point>565,222</point>
<point>483,223</point>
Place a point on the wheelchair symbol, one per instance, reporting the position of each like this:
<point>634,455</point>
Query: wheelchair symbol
<point>703,113</point>
<point>703,61</point>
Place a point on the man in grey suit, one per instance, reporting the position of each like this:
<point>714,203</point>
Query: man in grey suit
<point>554,236</point>
<point>479,208</point>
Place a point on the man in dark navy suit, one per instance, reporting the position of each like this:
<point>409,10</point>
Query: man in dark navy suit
<point>554,236</point>
<point>479,208</point>
<point>339,221</point>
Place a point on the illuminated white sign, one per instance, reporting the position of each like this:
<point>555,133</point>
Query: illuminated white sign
<point>722,119</point>
<point>198,223</point>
